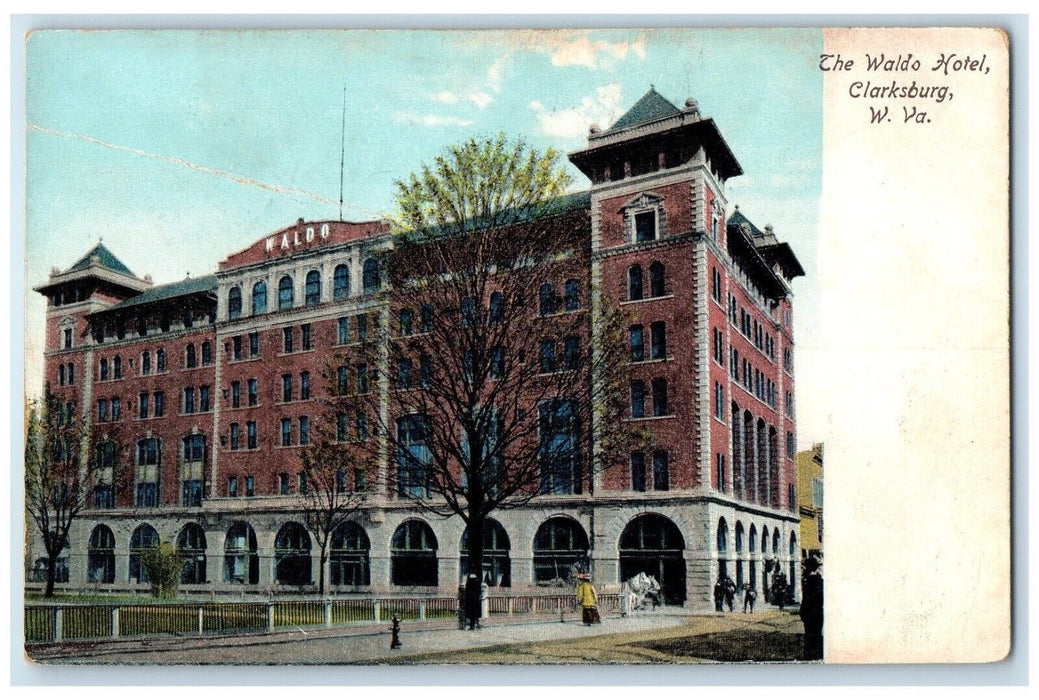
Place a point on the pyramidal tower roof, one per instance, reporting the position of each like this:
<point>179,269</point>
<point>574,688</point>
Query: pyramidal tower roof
<point>650,107</point>
<point>105,258</point>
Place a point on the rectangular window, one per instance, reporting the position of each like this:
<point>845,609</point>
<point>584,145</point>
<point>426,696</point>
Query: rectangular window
<point>232,486</point>
<point>203,398</point>
<point>362,328</point>
<point>341,427</point>
<point>719,346</point>
<point>645,226</point>
<point>403,374</point>
<point>344,331</point>
<point>362,426</point>
<point>558,447</point>
<point>102,410</point>
<point>250,436</point>
<point>236,343</point>
<point>305,332</point>
<point>304,430</point>
<point>413,456</point>
<point>304,386</point>
<point>68,338</point>
<point>286,387</point>
<point>720,460</point>
<point>660,407</point>
<point>189,400</point>
<point>115,409</point>
<point>572,352</point>
<point>142,405</point>
<point>342,380</point>
<point>254,393</point>
<point>287,339</point>
<point>791,497</point>
<point>638,471</point>
<point>235,437</point>
<point>658,340</point>
<point>790,450</point>
<point>661,471</point>
<point>362,379</point>
<point>286,432</point>
<point>283,484</point>
<point>160,404</point>
<point>719,401</point>
<point>638,399</point>
<point>548,356</point>
<point>637,344</point>
<point>236,394</point>
<point>789,404</point>
<point>301,482</point>
<point>254,344</point>
<point>788,359</point>
<point>249,485</point>
<point>716,285</point>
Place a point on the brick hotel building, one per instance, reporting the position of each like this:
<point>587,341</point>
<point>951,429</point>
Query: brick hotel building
<point>205,389</point>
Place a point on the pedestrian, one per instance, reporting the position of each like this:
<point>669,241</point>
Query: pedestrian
<point>587,600</point>
<point>812,609</point>
<point>730,593</point>
<point>719,595</point>
<point>779,590</point>
<point>748,597</point>
<point>472,600</point>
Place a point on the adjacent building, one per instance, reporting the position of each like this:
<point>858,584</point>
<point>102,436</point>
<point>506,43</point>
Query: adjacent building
<point>199,395</point>
<point>810,493</point>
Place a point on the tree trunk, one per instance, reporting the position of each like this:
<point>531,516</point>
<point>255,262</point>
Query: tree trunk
<point>52,570</point>
<point>475,566</point>
<point>321,571</point>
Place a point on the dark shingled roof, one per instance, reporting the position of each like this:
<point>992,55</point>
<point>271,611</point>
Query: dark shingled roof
<point>738,218</point>
<point>650,108</point>
<point>162,292</point>
<point>105,257</point>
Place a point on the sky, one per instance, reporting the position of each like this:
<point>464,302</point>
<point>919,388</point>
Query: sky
<point>178,148</point>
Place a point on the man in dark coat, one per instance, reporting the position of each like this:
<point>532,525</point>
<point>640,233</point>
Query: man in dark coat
<point>719,595</point>
<point>812,609</point>
<point>730,593</point>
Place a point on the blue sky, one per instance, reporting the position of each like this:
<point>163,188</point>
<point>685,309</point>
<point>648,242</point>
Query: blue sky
<point>180,147</point>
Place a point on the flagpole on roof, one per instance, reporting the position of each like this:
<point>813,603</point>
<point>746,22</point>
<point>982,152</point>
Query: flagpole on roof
<point>342,155</point>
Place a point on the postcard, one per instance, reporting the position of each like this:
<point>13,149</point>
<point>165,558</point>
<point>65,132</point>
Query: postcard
<point>517,346</point>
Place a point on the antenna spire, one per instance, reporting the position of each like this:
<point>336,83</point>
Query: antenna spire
<point>342,155</point>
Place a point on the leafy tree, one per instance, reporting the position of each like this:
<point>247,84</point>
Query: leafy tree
<point>495,387</point>
<point>164,565</point>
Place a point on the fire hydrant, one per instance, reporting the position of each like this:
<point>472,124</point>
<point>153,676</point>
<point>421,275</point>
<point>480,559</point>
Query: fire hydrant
<point>395,630</point>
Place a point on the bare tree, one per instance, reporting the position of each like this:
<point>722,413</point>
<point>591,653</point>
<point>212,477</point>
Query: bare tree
<point>334,481</point>
<point>502,377</point>
<point>59,483</point>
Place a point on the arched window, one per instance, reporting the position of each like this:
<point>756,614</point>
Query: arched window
<point>370,278</point>
<point>101,556</point>
<point>190,360</point>
<point>234,302</point>
<point>764,540</point>
<point>656,280</point>
<point>560,551</point>
<point>259,298</point>
<point>571,295</point>
<point>497,567</point>
<point>285,293</point>
<point>723,536</point>
<point>207,352</point>
<point>160,360</point>
<point>146,362</point>
<point>117,367</point>
<point>775,542</point>
<point>144,537</point>
<point>752,547</point>
<point>413,555</point>
<point>546,299</point>
<point>634,283</point>
<point>72,373</point>
<point>653,544</point>
<point>103,369</point>
<point>292,555</point>
<point>61,375</point>
<point>341,282</point>
<point>313,288</point>
<point>349,562</point>
<point>192,545</point>
<point>241,563</point>
<point>739,554</point>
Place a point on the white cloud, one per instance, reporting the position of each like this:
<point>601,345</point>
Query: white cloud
<point>496,72</point>
<point>430,119</point>
<point>480,99</point>
<point>446,97</point>
<point>602,109</point>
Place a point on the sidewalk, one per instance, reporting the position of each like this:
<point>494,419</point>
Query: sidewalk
<point>366,644</point>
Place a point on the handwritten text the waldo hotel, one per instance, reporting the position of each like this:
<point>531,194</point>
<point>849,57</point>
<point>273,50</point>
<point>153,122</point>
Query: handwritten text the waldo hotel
<point>902,99</point>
